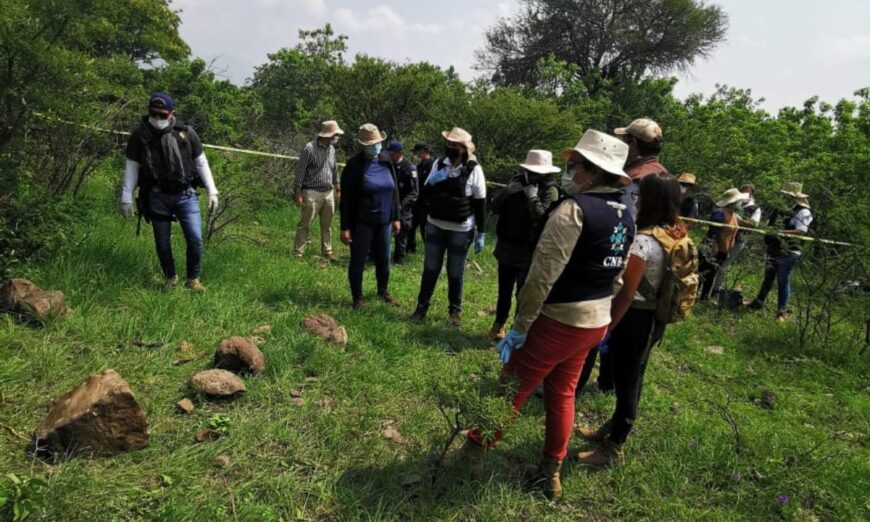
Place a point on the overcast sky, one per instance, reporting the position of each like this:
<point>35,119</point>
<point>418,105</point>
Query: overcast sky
<point>784,50</point>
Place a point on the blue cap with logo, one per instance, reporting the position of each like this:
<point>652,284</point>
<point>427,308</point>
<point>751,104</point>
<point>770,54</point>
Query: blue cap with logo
<point>160,100</point>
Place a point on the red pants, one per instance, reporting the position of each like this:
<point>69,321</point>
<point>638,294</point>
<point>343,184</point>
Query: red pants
<point>553,353</point>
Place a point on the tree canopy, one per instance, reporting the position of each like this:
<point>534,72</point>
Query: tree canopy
<point>605,39</point>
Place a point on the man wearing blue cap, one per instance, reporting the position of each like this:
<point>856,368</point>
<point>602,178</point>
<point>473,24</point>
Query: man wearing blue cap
<point>406,176</point>
<point>166,162</point>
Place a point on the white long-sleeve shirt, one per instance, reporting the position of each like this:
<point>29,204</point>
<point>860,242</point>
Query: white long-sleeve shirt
<point>131,178</point>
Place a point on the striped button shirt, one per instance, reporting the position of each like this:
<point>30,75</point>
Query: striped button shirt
<point>316,168</point>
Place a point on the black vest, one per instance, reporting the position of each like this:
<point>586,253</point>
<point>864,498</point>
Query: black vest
<point>156,165</point>
<point>514,220</point>
<point>447,200</point>
<point>600,252</point>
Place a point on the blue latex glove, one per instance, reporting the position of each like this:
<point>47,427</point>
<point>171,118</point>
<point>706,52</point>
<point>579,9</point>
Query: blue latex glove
<point>479,240</point>
<point>513,340</point>
<point>436,177</point>
<point>603,346</point>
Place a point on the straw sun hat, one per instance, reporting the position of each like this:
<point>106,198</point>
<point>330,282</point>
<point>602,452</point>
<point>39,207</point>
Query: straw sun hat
<point>369,134</point>
<point>540,162</point>
<point>795,190</point>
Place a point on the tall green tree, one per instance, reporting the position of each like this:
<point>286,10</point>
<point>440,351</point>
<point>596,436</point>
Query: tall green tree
<point>606,39</point>
<point>60,55</point>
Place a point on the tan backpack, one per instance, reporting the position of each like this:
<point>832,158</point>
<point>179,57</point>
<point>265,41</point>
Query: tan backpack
<point>679,289</point>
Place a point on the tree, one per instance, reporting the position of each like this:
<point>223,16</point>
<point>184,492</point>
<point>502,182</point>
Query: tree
<point>606,39</point>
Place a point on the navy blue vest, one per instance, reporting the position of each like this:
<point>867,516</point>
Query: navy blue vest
<point>600,252</point>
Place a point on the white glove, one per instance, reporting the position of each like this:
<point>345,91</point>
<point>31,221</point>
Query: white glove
<point>531,191</point>
<point>213,203</point>
<point>126,209</point>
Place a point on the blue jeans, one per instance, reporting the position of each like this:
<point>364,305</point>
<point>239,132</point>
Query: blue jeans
<point>779,268</point>
<point>439,241</point>
<point>367,238</point>
<point>185,208</point>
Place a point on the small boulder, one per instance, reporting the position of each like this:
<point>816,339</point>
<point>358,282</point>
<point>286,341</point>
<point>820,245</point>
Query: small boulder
<point>22,297</point>
<point>262,330</point>
<point>99,417</point>
<point>715,349</point>
<point>324,326</point>
<point>222,461</point>
<point>207,435</point>
<point>217,383</point>
<point>185,405</point>
<point>239,355</point>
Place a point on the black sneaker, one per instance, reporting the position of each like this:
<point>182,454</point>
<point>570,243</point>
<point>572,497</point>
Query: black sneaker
<point>419,314</point>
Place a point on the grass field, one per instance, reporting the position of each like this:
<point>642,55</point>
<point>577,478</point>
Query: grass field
<point>704,447</point>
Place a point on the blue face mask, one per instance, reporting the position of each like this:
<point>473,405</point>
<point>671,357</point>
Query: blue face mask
<point>373,150</point>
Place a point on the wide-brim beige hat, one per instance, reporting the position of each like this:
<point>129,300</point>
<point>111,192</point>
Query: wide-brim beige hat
<point>369,134</point>
<point>643,129</point>
<point>329,128</point>
<point>540,162</point>
<point>461,136</point>
<point>794,190</point>
<point>688,178</point>
<point>603,150</point>
<point>731,196</point>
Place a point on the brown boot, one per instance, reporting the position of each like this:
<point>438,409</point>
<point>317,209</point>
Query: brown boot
<point>605,455</point>
<point>387,298</point>
<point>496,333</point>
<point>595,435</point>
<point>455,318</point>
<point>195,285</point>
<point>469,455</point>
<point>548,479</point>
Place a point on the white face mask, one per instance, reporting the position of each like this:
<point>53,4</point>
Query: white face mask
<point>683,189</point>
<point>569,185</point>
<point>159,124</point>
<point>335,140</point>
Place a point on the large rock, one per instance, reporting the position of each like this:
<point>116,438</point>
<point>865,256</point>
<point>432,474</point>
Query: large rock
<point>239,355</point>
<point>325,326</point>
<point>22,297</point>
<point>100,417</point>
<point>218,383</point>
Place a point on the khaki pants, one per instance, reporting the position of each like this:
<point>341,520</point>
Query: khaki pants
<point>316,204</point>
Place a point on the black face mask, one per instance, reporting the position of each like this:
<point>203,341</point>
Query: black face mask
<point>452,153</point>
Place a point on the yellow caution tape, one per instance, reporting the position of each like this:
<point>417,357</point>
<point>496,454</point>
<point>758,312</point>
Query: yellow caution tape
<point>491,183</point>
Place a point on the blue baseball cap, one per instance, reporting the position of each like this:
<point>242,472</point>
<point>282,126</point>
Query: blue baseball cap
<point>160,100</point>
<point>395,146</point>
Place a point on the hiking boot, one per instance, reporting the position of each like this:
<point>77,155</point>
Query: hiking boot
<point>171,283</point>
<point>455,319</point>
<point>329,257</point>
<point>595,434</point>
<point>496,333</point>
<point>781,317</point>
<point>420,313</point>
<point>754,304</point>
<point>359,304</point>
<point>605,455</point>
<point>195,285</point>
<point>469,455</point>
<point>297,253</point>
<point>387,298</point>
<point>548,478</point>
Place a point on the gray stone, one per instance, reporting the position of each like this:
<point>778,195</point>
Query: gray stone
<point>217,383</point>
